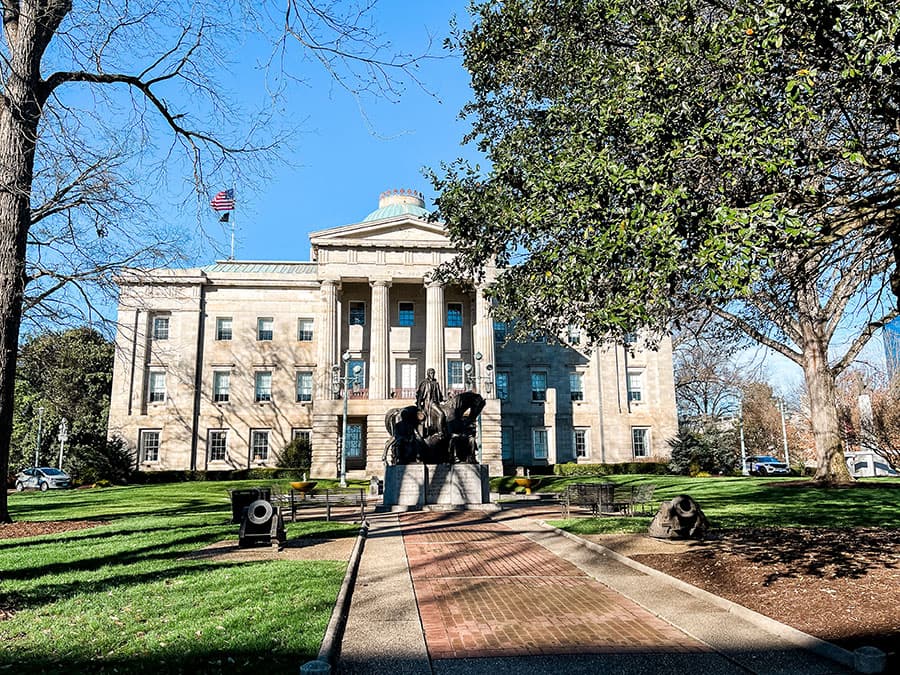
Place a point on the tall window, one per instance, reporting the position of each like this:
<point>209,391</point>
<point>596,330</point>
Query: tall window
<point>539,443</point>
<point>357,314</point>
<point>456,378</point>
<point>576,385</point>
<point>354,441</point>
<point>409,380</point>
<point>635,386</point>
<point>304,385</point>
<point>539,386</point>
<point>223,328</point>
<point>265,328</point>
<point>160,328</point>
<point>259,445</point>
<point>407,314</point>
<point>157,386</point>
<point>501,329</point>
<point>221,386</point>
<point>580,442</point>
<point>640,441</point>
<point>506,443</point>
<point>454,315</point>
<point>574,335</point>
<point>263,390</point>
<point>305,330</point>
<point>148,444</point>
<point>502,382</point>
<point>304,435</point>
<point>217,445</point>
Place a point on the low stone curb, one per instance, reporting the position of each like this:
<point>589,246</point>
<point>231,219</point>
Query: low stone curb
<point>331,643</point>
<point>797,637</point>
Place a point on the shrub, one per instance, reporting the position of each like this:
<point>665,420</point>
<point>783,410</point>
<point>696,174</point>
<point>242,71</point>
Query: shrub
<point>107,461</point>
<point>619,468</point>
<point>708,451</point>
<point>296,455</point>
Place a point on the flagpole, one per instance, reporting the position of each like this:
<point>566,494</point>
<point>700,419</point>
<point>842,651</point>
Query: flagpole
<point>232,235</point>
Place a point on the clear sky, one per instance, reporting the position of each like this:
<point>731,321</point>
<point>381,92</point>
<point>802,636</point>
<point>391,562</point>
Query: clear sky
<point>345,155</point>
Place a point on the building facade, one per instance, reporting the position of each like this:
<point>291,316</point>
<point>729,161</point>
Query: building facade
<point>219,367</point>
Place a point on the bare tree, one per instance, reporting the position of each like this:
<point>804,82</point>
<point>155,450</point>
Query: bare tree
<point>102,103</point>
<point>799,307</point>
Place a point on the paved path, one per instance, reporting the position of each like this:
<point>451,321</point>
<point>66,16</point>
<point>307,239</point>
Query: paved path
<point>460,593</point>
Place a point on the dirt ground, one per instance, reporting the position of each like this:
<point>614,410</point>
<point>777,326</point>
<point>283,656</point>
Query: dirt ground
<point>840,585</point>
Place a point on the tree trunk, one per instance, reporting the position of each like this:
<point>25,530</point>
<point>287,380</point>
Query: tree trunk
<point>27,33</point>
<point>831,467</point>
<point>16,169</point>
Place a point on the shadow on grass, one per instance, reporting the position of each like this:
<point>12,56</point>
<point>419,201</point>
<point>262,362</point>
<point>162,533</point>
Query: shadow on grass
<point>150,552</point>
<point>268,658</point>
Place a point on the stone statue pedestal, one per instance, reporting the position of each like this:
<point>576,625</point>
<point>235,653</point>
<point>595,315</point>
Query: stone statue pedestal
<point>436,487</point>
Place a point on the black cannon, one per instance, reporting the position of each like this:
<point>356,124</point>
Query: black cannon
<point>261,525</point>
<point>681,518</point>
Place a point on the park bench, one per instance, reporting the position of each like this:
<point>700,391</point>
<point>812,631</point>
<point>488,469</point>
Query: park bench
<point>598,497</point>
<point>641,495</point>
<point>355,497</point>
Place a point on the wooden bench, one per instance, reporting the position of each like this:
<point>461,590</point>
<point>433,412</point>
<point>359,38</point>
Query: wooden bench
<point>327,498</point>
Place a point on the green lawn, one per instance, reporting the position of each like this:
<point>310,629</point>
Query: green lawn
<point>120,597</point>
<point>756,502</point>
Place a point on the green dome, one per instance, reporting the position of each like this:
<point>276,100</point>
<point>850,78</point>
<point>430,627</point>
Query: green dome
<point>396,203</point>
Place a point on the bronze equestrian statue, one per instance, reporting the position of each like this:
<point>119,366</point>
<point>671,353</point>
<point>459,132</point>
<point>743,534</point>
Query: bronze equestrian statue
<point>434,431</point>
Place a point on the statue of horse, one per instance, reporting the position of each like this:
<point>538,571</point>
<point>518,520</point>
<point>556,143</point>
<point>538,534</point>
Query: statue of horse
<point>442,434</point>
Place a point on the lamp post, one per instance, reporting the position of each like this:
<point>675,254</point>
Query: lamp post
<point>37,445</point>
<point>787,457</point>
<point>744,470</point>
<point>339,383</point>
<point>63,436</point>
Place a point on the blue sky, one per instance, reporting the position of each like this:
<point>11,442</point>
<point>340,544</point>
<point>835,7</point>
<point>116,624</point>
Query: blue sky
<point>345,155</point>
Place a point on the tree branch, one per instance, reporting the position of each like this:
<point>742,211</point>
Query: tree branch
<point>758,335</point>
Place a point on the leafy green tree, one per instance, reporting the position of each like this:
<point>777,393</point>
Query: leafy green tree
<point>69,375</point>
<point>650,158</point>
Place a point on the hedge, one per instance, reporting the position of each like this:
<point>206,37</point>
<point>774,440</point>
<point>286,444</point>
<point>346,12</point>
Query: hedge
<point>573,469</point>
<point>154,477</point>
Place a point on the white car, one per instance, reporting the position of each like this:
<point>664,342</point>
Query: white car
<point>42,478</point>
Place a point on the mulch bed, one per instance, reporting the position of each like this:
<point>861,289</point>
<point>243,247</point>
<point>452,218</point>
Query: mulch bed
<point>27,529</point>
<point>841,585</point>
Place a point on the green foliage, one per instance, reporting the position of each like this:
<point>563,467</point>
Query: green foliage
<point>644,157</point>
<point>69,375</point>
<point>621,468</point>
<point>710,450</point>
<point>297,454</point>
<point>130,596</point>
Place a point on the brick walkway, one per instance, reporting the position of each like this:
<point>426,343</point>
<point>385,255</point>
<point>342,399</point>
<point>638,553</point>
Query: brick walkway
<point>485,591</point>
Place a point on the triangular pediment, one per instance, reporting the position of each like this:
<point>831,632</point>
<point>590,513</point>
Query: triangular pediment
<point>401,231</point>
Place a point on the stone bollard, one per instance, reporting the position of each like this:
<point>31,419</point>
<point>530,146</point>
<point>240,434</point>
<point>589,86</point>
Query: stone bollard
<point>869,660</point>
<point>315,667</point>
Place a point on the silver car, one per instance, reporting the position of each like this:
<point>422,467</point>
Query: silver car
<point>42,478</point>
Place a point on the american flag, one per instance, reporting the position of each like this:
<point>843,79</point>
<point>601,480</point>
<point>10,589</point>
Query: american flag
<point>224,201</point>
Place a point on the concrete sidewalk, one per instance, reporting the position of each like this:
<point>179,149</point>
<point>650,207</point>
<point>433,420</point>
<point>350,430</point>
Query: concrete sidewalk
<point>457,592</point>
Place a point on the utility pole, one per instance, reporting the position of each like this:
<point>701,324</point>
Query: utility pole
<point>744,470</point>
<point>63,436</point>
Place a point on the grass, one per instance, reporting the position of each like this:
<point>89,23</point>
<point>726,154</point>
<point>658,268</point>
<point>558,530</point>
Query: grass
<point>731,502</point>
<point>121,597</point>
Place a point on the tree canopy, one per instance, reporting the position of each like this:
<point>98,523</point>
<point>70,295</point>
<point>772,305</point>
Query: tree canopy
<point>649,159</point>
<point>644,154</point>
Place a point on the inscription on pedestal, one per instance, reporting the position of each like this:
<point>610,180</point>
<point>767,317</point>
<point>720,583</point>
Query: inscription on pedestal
<point>404,485</point>
<point>424,484</point>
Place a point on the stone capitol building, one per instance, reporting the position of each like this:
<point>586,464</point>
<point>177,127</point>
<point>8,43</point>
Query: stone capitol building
<point>219,367</point>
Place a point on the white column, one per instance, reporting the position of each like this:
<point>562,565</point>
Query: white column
<point>483,336</point>
<point>327,337</point>
<point>379,352</point>
<point>434,331</point>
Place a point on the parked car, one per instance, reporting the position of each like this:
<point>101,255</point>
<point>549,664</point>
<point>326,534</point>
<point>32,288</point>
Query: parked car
<point>765,465</point>
<point>42,478</point>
